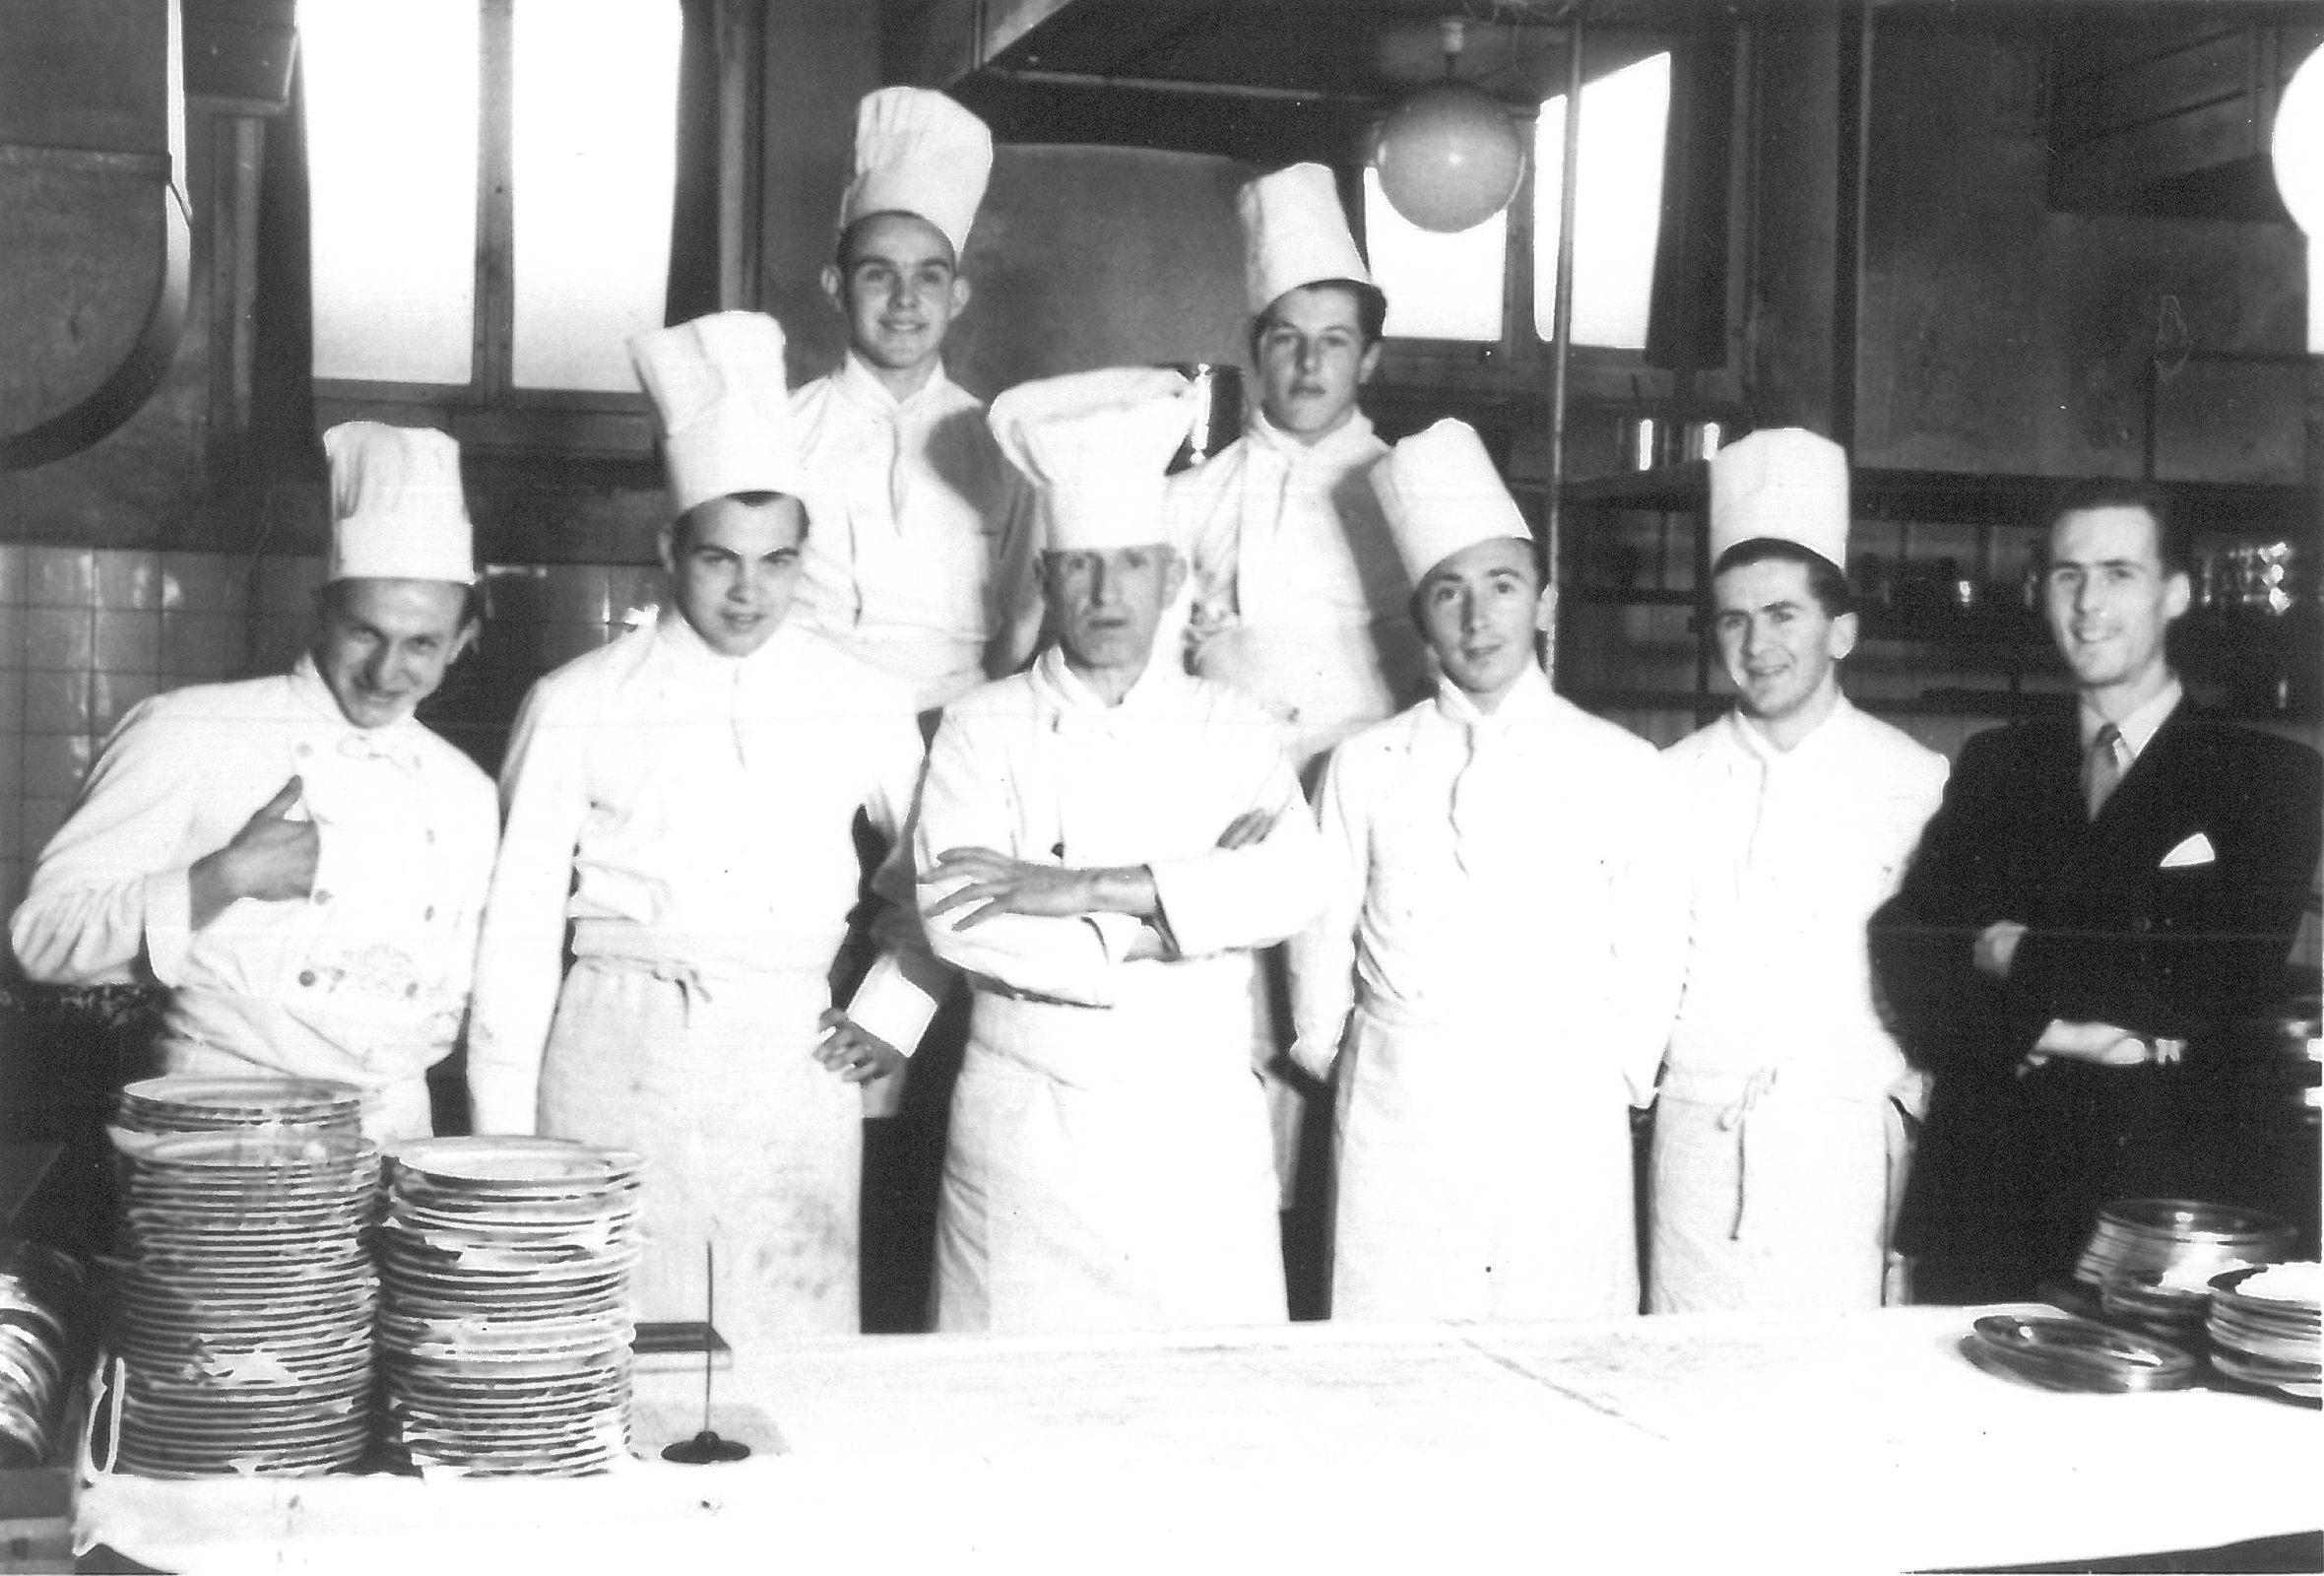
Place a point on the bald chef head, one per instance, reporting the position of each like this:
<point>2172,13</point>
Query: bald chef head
<point>297,858</point>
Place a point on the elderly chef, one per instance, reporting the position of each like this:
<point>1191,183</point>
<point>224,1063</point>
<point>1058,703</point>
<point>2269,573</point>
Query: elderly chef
<point>1299,597</point>
<point>919,561</point>
<point>1778,1134</point>
<point>297,858</point>
<point>1103,841</point>
<point>1492,961</point>
<point>679,804</point>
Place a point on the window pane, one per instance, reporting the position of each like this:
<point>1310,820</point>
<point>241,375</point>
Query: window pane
<point>391,132</point>
<point>594,162</point>
<point>1617,204</point>
<point>1439,287</point>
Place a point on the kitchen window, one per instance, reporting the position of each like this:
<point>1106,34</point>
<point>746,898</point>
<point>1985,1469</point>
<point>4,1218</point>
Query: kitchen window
<point>1458,287</point>
<point>491,184</point>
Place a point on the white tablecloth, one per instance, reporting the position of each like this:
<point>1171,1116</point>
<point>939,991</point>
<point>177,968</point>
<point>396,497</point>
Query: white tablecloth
<point>1852,1443</point>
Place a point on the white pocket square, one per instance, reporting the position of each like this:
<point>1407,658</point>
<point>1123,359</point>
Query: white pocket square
<point>2196,850</point>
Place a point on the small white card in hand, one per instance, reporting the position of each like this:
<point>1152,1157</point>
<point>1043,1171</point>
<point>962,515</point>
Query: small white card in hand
<point>2196,850</point>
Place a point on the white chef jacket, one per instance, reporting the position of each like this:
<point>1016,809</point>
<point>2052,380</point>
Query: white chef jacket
<point>1107,1126</point>
<point>366,980</point>
<point>1787,853</point>
<point>1498,920</point>
<point>918,558</point>
<point>677,804</point>
<point>1299,598</point>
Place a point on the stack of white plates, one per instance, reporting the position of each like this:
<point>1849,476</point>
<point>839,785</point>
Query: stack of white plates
<point>2062,1353</point>
<point>505,1326</point>
<point>2267,1326</point>
<point>195,1103</point>
<point>243,1317</point>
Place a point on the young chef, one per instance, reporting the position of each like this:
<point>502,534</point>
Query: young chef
<point>918,564</point>
<point>685,798</point>
<point>1299,597</point>
<point>1103,841</point>
<point>299,860</point>
<point>1493,951</point>
<point>2098,904</point>
<point>1776,1136</point>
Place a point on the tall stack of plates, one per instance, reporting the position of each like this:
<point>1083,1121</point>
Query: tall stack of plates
<point>2267,1327</point>
<point>505,1326</point>
<point>195,1103</point>
<point>243,1316</point>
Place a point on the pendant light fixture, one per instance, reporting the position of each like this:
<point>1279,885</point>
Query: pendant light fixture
<point>1449,157</point>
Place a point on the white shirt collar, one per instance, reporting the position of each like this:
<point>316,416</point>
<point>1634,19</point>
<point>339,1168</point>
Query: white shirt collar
<point>1065,688</point>
<point>856,380</point>
<point>1530,700</point>
<point>684,646</point>
<point>1350,436</point>
<point>2137,730</point>
<point>1755,742</point>
<point>398,740</point>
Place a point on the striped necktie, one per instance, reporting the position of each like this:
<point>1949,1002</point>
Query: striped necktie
<point>2102,768</point>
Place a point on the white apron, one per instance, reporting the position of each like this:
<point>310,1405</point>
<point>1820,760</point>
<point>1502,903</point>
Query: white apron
<point>749,1143</point>
<point>1110,1168</point>
<point>1484,1173</point>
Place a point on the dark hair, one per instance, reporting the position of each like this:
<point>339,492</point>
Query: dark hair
<point>843,255</point>
<point>2171,543</point>
<point>1826,581</point>
<point>1371,310</point>
<point>756,497</point>
<point>1536,556</point>
<point>475,602</point>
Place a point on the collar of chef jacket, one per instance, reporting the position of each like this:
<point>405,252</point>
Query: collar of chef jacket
<point>1830,733</point>
<point>1344,444</point>
<point>1074,707</point>
<point>2137,730</point>
<point>399,741</point>
<point>1279,472</point>
<point>1530,700</point>
<point>856,380</point>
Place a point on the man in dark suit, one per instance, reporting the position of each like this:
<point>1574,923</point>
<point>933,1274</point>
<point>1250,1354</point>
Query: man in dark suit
<point>2099,904</point>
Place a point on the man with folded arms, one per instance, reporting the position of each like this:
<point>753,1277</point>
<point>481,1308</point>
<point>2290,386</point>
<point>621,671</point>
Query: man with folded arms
<point>1103,841</point>
<point>2099,904</point>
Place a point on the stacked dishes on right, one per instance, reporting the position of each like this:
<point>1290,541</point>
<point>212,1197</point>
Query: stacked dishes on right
<point>2267,1326</point>
<point>504,1326</point>
<point>2153,1260</point>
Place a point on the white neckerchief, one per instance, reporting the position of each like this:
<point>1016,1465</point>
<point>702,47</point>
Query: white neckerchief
<point>1480,806</point>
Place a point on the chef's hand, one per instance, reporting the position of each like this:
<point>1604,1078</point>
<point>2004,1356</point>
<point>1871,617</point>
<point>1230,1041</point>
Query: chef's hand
<point>993,883</point>
<point>1996,947</point>
<point>855,1053</point>
<point>2101,1045</point>
<point>1251,827</point>
<point>270,860</point>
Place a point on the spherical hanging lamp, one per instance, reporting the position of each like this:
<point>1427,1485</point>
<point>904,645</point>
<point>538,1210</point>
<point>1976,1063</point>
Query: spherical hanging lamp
<point>1449,157</point>
<point>2298,148</point>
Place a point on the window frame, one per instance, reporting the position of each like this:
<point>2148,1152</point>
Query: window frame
<point>490,412</point>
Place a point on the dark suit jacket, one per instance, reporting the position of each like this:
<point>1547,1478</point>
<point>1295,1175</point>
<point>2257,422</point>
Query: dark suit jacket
<point>2014,1164</point>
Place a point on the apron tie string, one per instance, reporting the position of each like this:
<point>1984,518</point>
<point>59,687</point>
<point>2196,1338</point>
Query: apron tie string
<point>692,986</point>
<point>1736,1119</point>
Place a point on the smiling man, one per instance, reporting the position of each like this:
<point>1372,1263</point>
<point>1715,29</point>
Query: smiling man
<point>1491,968</point>
<point>920,564</point>
<point>681,807</point>
<point>1103,841</point>
<point>2102,904</point>
<point>300,861</point>
<point>1777,1130</point>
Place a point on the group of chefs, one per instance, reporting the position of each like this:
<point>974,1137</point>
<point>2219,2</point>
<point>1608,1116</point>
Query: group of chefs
<point>1159,762</point>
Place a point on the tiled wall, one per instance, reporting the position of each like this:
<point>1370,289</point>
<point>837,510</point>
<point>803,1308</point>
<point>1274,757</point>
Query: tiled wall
<point>85,633</point>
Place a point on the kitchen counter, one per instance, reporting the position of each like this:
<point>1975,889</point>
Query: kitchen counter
<point>1857,1443</point>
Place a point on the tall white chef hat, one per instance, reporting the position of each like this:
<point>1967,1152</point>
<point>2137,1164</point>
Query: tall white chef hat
<point>1096,446</point>
<point>1785,483</point>
<point>1441,493</point>
<point>918,151</point>
<point>396,512</point>
<point>1294,233</point>
<point>719,385</point>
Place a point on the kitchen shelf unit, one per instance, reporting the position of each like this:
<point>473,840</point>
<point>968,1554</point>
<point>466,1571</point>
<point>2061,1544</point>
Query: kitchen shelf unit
<point>1987,659</point>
